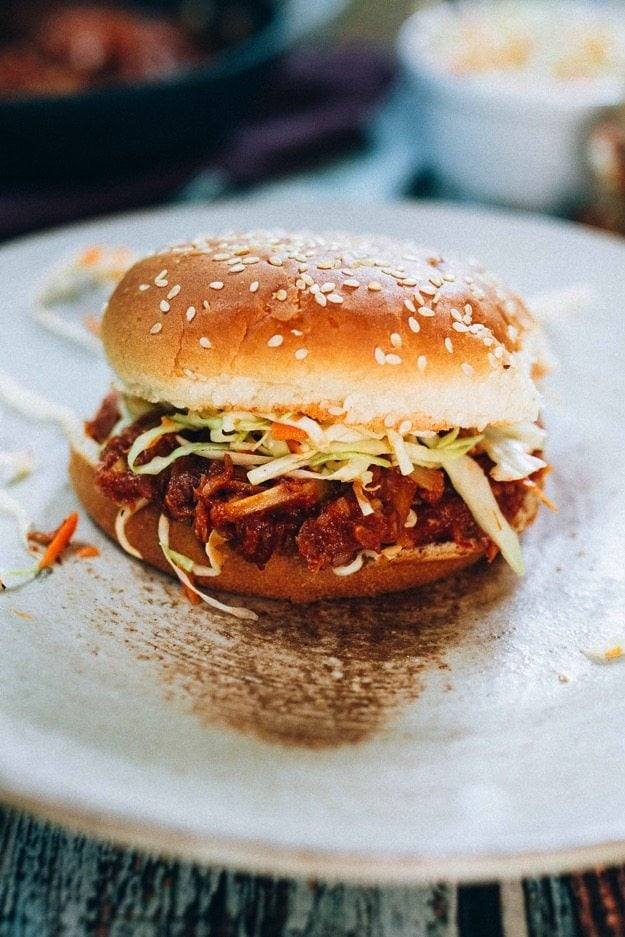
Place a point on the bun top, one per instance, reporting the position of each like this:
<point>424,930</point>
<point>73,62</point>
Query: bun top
<point>342,328</point>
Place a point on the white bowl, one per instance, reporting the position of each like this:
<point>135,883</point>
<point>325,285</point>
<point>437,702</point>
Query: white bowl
<point>515,137</point>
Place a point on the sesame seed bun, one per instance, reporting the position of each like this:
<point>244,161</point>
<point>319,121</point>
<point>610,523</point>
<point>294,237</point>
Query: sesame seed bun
<point>283,577</point>
<point>371,332</point>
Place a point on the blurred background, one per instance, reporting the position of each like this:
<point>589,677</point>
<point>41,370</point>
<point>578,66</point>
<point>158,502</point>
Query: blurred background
<point>111,105</point>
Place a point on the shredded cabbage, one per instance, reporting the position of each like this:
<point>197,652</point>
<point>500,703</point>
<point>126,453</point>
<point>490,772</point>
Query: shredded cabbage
<point>472,485</point>
<point>123,516</point>
<point>335,452</point>
<point>510,448</point>
<point>172,557</point>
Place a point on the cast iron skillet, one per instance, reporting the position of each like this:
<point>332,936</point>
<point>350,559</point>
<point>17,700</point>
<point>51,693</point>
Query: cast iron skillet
<point>115,131</point>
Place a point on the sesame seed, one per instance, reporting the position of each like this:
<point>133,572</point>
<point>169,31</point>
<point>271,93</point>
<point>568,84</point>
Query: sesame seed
<point>240,251</point>
<point>159,276</point>
<point>251,260</point>
<point>161,282</point>
<point>426,312</point>
<point>320,298</point>
<point>347,272</point>
<point>275,260</point>
<point>393,359</point>
<point>156,328</point>
<point>389,419</point>
<point>301,353</point>
<point>499,351</point>
<point>237,268</point>
<point>315,288</point>
<point>468,309</point>
<point>221,257</point>
<point>395,339</point>
<point>413,324</point>
<point>410,306</point>
<point>435,280</point>
<point>190,313</point>
<point>334,298</point>
<point>300,285</point>
<point>189,372</point>
<point>374,286</point>
<point>144,286</point>
<point>164,306</point>
<point>328,287</point>
<point>380,357</point>
<point>455,314</point>
<point>325,265</point>
<point>308,280</point>
<point>449,345</point>
<point>174,291</point>
<point>405,427</point>
<point>205,304</point>
<point>281,295</point>
<point>460,327</point>
<point>205,342</point>
<point>254,286</point>
<point>467,368</point>
<point>492,360</point>
<point>421,362</point>
<point>351,282</point>
<point>427,290</point>
<point>449,277</point>
<point>336,411</point>
<point>216,285</point>
<point>297,332</point>
<point>275,340</point>
<point>409,281</point>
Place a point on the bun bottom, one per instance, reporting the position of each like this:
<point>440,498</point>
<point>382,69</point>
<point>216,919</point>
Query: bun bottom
<point>283,577</point>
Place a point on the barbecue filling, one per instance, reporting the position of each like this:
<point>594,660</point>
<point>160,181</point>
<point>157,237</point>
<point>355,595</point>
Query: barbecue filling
<point>326,522</point>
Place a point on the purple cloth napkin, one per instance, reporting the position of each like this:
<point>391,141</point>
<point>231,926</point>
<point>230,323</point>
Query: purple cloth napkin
<point>317,107</point>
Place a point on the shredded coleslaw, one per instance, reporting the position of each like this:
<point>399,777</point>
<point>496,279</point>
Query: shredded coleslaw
<point>336,452</point>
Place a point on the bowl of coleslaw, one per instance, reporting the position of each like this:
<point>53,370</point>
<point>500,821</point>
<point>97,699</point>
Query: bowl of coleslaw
<point>506,92</point>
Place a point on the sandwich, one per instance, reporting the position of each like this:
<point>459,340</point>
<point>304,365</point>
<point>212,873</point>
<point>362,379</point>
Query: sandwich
<point>304,416</point>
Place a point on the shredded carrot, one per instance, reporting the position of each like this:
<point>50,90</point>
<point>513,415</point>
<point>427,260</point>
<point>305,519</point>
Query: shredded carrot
<point>528,483</point>
<point>60,541</point>
<point>91,255</point>
<point>92,324</point>
<point>286,432</point>
<point>190,595</point>
<point>86,551</point>
<point>39,537</point>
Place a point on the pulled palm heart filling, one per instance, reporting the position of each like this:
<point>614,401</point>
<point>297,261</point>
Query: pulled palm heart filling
<point>332,494</point>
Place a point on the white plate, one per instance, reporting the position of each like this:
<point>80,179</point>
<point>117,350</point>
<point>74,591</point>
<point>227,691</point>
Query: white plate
<point>453,732</point>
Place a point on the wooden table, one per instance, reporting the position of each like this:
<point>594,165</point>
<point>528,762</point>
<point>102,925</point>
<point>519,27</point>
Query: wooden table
<point>54,883</point>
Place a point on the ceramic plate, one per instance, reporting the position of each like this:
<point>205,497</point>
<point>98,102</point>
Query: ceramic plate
<point>456,732</point>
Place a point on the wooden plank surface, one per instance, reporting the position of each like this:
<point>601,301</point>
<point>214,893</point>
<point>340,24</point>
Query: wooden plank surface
<point>54,883</point>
